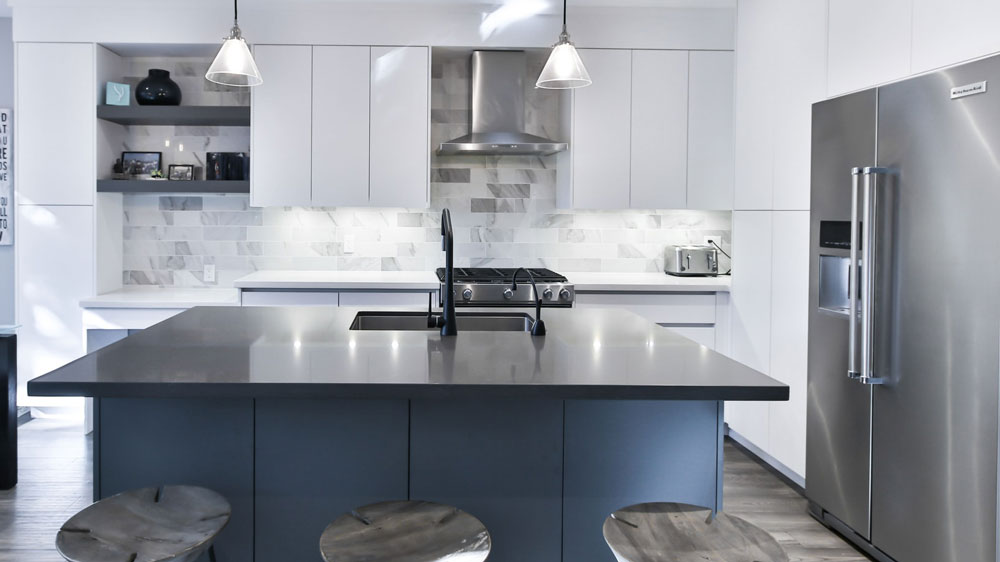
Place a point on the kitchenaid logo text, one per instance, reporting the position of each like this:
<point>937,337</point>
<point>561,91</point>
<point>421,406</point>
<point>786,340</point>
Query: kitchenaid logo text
<point>968,90</point>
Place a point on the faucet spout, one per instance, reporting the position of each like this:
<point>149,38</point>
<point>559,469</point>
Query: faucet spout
<point>448,298</point>
<point>538,328</point>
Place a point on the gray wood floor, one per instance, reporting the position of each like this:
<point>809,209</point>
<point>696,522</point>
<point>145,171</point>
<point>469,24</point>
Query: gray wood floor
<point>55,483</point>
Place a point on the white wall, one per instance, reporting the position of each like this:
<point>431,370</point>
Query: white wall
<point>6,100</point>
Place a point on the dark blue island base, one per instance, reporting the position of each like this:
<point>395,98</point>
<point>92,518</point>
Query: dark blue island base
<point>541,474</point>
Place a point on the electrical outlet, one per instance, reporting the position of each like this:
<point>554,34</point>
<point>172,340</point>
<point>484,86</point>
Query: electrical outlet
<point>348,243</point>
<point>210,273</point>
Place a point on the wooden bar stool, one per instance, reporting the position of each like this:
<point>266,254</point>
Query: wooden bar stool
<point>677,532</point>
<point>405,531</point>
<point>167,524</point>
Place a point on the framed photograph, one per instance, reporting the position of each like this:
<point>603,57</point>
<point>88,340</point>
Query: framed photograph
<point>141,163</point>
<point>181,172</point>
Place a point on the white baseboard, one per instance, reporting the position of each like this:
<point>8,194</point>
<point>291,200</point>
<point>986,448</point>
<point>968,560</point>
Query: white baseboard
<point>773,462</point>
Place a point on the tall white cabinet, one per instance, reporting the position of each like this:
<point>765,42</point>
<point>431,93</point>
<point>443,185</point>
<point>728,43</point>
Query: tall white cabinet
<point>55,220</point>
<point>54,130</point>
<point>341,126</point>
<point>654,131</point>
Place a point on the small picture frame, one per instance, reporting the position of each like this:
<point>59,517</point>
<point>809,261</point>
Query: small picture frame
<point>181,172</point>
<point>117,94</point>
<point>141,164</point>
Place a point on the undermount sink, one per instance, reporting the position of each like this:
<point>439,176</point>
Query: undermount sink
<point>466,321</point>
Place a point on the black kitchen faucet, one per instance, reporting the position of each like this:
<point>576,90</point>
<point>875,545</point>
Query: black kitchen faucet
<point>448,298</point>
<point>538,328</point>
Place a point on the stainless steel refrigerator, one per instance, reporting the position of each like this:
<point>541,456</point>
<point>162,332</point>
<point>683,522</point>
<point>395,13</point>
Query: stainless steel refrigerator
<point>904,322</point>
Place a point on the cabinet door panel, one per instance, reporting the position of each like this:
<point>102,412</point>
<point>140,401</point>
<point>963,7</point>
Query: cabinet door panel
<point>282,119</point>
<point>340,126</point>
<point>870,42</point>
<point>710,131</point>
<point>55,131</point>
<point>659,129</point>
<point>751,317</point>
<point>399,144</point>
<point>55,271</point>
<point>601,132</point>
<point>789,336</point>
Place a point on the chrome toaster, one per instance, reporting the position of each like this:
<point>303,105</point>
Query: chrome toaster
<point>694,261</point>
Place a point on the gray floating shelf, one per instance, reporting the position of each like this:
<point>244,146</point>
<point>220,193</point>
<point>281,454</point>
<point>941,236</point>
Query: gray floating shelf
<point>167,186</point>
<point>205,115</point>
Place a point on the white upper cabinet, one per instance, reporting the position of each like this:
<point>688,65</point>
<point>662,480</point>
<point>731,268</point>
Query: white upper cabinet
<point>710,131</point>
<point>601,132</point>
<point>869,43</point>
<point>654,131</point>
<point>54,131</point>
<point>281,118</point>
<point>659,117</point>
<point>400,127</point>
<point>340,126</point>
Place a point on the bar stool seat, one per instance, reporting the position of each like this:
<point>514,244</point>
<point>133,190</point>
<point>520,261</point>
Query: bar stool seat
<point>405,531</point>
<point>167,524</point>
<point>677,532</point>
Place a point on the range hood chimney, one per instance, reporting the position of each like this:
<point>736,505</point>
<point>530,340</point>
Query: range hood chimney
<point>498,109</point>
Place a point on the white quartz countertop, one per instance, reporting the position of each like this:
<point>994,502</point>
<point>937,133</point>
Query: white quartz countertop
<point>647,283</point>
<point>164,297</point>
<point>336,280</point>
<point>187,297</point>
<point>427,280</point>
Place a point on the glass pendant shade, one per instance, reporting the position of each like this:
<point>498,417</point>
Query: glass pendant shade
<point>234,65</point>
<point>564,69</point>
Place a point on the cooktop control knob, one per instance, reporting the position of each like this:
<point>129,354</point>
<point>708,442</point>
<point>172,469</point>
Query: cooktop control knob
<point>467,294</point>
<point>508,294</point>
<point>564,295</point>
<point>547,294</point>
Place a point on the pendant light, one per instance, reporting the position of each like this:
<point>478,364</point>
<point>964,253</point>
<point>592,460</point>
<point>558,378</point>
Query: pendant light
<point>564,69</point>
<point>234,65</point>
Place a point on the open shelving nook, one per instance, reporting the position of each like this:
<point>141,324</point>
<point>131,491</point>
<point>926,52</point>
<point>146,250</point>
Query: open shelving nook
<point>211,118</point>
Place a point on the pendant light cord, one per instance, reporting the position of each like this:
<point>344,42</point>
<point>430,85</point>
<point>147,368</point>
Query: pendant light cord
<point>236,10</point>
<point>564,14</point>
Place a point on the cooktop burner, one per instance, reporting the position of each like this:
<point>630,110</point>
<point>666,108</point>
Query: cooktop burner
<point>500,275</point>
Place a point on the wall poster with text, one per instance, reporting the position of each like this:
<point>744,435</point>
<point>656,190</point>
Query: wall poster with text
<point>6,186</point>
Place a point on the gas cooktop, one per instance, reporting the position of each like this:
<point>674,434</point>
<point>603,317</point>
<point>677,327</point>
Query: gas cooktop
<point>493,286</point>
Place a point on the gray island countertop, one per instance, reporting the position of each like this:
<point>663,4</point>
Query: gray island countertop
<point>311,352</point>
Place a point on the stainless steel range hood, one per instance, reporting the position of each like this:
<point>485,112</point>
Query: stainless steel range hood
<point>498,109</point>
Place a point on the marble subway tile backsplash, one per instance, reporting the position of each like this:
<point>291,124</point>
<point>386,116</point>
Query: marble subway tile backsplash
<point>169,239</point>
<point>503,211</point>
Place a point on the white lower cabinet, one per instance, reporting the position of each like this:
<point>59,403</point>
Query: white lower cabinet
<point>692,315</point>
<point>789,337</point>
<point>290,298</point>
<point>750,317</point>
<point>55,271</point>
<point>386,298</point>
<point>705,335</point>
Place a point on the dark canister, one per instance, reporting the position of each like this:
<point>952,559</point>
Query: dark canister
<point>158,89</point>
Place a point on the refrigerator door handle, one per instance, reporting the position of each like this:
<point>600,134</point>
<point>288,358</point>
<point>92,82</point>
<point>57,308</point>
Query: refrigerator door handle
<point>852,279</point>
<point>873,186</point>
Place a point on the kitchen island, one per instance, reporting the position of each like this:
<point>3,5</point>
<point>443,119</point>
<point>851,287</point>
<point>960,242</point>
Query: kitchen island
<point>297,418</point>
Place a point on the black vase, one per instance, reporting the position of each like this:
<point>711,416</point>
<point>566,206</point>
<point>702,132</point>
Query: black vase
<point>158,89</point>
